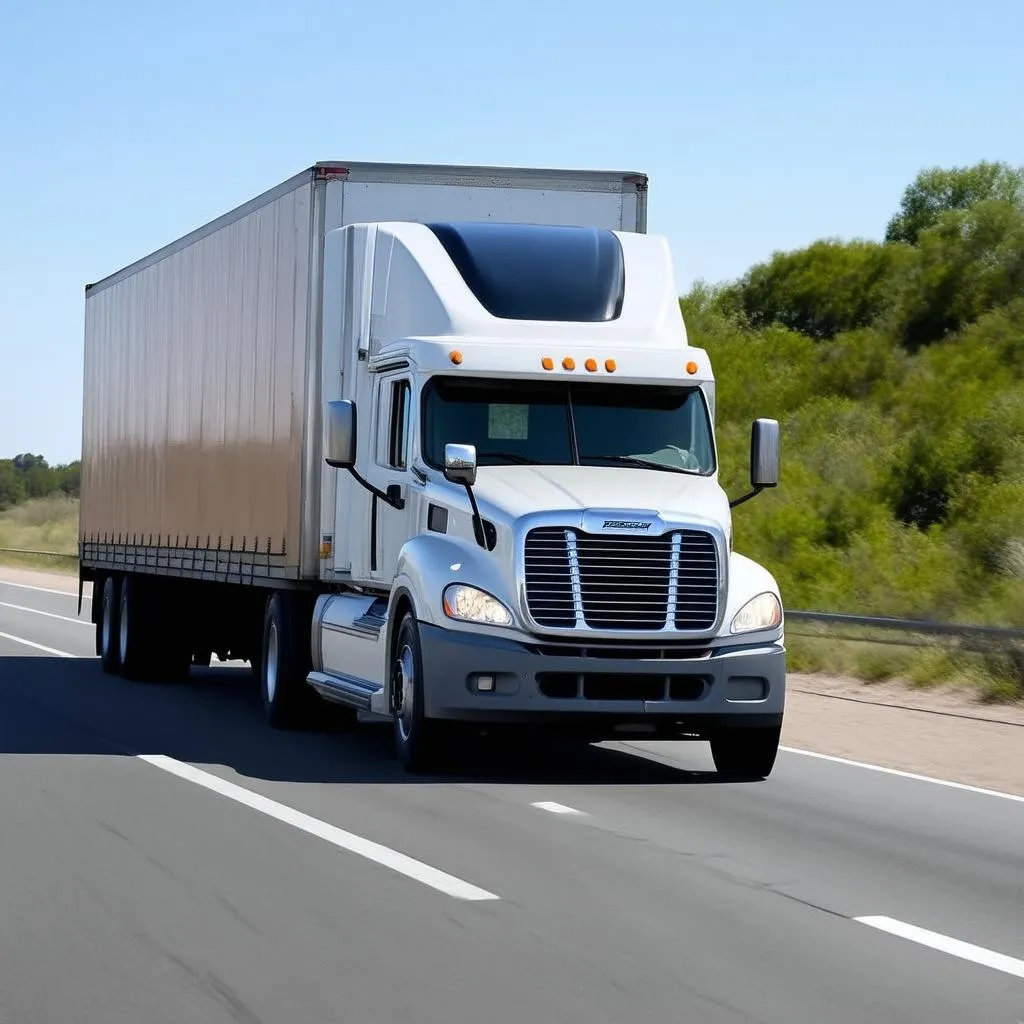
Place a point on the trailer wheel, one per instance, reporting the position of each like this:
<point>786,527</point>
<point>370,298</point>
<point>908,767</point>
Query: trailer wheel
<point>132,634</point>
<point>746,753</point>
<point>108,628</point>
<point>285,662</point>
<point>419,740</point>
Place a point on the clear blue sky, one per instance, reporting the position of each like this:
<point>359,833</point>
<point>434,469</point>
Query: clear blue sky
<point>764,124</point>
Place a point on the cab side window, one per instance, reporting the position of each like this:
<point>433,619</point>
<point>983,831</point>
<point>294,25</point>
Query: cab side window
<point>398,432</point>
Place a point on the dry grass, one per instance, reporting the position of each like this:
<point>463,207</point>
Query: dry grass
<point>49,524</point>
<point>996,675</point>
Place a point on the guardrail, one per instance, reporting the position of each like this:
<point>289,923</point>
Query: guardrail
<point>38,554</point>
<point>924,626</point>
<point>919,626</point>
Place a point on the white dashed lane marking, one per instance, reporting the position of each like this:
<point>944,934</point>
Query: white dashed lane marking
<point>555,808</point>
<point>945,944</point>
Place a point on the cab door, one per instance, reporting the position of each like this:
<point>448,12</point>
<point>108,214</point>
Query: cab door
<point>391,527</point>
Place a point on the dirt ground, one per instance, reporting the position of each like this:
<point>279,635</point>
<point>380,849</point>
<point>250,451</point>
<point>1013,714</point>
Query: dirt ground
<point>941,731</point>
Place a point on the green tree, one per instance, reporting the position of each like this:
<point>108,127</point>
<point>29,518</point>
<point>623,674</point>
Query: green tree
<point>937,190</point>
<point>12,486</point>
<point>70,478</point>
<point>820,291</point>
<point>29,476</point>
<point>967,263</point>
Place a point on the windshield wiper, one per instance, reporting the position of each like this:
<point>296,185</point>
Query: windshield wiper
<point>520,460</point>
<point>630,460</point>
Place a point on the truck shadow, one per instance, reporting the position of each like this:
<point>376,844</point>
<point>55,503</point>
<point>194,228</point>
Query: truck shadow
<point>69,706</point>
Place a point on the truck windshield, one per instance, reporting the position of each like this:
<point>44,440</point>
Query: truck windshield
<point>664,427</point>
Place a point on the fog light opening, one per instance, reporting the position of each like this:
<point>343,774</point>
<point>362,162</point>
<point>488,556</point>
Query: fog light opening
<point>484,684</point>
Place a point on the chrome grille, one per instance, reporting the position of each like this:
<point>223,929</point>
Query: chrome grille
<point>576,579</point>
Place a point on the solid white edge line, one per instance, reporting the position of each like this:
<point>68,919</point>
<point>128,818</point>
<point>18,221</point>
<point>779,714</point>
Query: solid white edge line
<point>555,808</point>
<point>943,943</point>
<point>905,775</point>
<point>45,590</point>
<point>383,855</point>
<point>35,646</point>
<point>49,615</point>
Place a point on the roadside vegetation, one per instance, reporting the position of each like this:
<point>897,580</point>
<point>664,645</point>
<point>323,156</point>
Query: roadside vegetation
<point>43,524</point>
<point>39,511</point>
<point>27,477</point>
<point>896,370</point>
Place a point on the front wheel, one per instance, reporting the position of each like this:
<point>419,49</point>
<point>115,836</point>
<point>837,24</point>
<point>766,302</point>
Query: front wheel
<point>746,753</point>
<point>419,740</point>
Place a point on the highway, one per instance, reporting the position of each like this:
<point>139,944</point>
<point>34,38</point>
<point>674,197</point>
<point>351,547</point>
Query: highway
<point>166,856</point>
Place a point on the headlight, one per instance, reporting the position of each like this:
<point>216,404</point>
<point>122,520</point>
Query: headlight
<point>472,605</point>
<point>763,612</point>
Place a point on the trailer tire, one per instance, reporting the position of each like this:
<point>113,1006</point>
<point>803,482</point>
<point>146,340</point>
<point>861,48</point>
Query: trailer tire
<point>746,754</point>
<point>419,741</point>
<point>108,627</point>
<point>285,662</point>
<point>132,633</point>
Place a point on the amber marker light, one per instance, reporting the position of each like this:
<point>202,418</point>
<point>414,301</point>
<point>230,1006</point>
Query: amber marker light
<point>548,363</point>
<point>456,357</point>
<point>568,363</point>
<point>691,367</point>
<point>591,365</point>
<point>609,365</point>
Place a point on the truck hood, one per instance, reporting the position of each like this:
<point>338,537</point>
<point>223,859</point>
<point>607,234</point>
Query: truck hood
<point>520,490</point>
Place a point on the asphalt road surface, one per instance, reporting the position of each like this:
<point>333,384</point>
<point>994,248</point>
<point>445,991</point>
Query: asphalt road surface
<point>166,856</point>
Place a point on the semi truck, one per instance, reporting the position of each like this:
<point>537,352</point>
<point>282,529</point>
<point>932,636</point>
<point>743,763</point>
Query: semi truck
<point>428,444</point>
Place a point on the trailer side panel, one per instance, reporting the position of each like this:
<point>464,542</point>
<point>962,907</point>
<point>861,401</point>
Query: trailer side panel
<point>194,393</point>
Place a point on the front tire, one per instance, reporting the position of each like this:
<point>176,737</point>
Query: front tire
<point>419,741</point>
<point>747,754</point>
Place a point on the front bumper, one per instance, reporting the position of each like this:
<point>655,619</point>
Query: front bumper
<point>601,692</point>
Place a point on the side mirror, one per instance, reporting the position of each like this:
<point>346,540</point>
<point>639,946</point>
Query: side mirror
<point>764,454</point>
<point>340,444</point>
<point>460,463</point>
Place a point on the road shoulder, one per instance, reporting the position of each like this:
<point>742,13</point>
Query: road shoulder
<point>64,582</point>
<point>941,732</point>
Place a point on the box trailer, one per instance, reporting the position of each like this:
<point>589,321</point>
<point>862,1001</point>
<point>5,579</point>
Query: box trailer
<point>417,567</point>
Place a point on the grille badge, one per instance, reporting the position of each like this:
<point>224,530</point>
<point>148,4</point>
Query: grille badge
<point>643,522</point>
<point>625,524</point>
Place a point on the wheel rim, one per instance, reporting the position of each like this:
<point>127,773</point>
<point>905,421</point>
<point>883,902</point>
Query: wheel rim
<point>272,663</point>
<point>123,631</point>
<point>405,672</point>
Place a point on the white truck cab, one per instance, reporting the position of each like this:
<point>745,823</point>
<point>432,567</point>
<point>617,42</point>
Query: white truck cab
<point>527,522</point>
